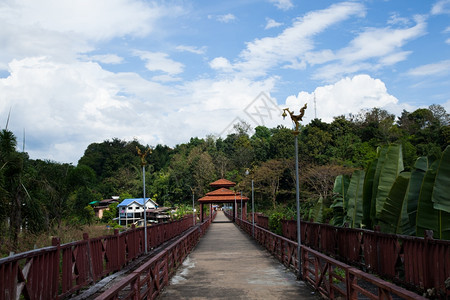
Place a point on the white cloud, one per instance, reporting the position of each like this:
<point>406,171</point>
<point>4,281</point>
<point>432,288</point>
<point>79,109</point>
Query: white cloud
<point>290,46</point>
<point>221,63</point>
<point>348,95</point>
<point>107,58</point>
<point>447,41</point>
<point>61,104</point>
<point>271,23</point>
<point>282,4</point>
<point>396,19</point>
<point>441,7</point>
<point>96,20</point>
<point>372,49</point>
<point>165,78</point>
<point>446,105</point>
<point>158,61</point>
<point>191,49</point>
<point>65,107</point>
<point>226,18</point>
<point>439,68</point>
<point>377,42</point>
<point>64,29</point>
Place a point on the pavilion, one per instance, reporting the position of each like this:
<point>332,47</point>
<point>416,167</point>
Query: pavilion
<point>223,195</point>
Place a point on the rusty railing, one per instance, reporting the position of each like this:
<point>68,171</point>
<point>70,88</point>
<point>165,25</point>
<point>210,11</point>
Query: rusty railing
<point>330,277</point>
<point>421,264</point>
<point>58,271</point>
<point>147,281</point>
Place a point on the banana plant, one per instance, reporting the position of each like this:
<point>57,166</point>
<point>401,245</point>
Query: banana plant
<point>394,216</point>
<point>415,183</point>
<point>441,189</point>
<point>392,166</point>
<point>354,206</point>
<point>339,198</point>
<point>429,215</point>
<point>317,211</point>
<point>367,192</point>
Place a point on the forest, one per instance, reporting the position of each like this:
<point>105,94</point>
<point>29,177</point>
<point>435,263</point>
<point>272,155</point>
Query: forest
<point>336,160</point>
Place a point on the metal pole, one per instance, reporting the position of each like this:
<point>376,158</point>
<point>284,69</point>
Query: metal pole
<point>253,213</point>
<point>193,209</point>
<point>296,119</point>
<point>145,209</point>
<point>241,205</point>
<point>297,192</point>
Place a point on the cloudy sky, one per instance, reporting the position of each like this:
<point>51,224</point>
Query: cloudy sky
<point>74,72</point>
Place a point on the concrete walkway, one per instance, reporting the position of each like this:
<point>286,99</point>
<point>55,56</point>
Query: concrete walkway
<point>227,264</point>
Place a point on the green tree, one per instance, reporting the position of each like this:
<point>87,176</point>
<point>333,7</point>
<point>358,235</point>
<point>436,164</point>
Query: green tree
<point>13,190</point>
<point>268,177</point>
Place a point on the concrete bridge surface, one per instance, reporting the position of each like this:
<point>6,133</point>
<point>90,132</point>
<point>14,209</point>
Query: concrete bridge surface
<point>228,264</point>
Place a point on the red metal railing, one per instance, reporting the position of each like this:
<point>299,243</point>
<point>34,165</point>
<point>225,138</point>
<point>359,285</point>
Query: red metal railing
<point>147,281</point>
<point>421,264</point>
<point>60,270</point>
<point>330,277</point>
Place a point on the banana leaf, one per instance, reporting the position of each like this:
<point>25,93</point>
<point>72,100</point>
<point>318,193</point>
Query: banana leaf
<point>392,216</point>
<point>392,166</point>
<point>441,190</point>
<point>415,183</point>
<point>367,192</point>
<point>376,179</point>
<point>355,199</point>
<point>317,212</point>
<point>427,217</point>
<point>339,194</point>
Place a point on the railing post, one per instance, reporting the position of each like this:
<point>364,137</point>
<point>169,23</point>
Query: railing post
<point>426,257</point>
<point>89,256</point>
<point>116,235</point>
<point>376,231</point>
<point>56,263</point>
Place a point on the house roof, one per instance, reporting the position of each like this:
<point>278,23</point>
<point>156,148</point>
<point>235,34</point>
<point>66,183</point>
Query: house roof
<point>222,183</point>
<point>140,201</point>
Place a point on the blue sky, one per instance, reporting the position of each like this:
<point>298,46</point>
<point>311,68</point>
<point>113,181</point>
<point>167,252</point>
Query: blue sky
<point>77,72</point>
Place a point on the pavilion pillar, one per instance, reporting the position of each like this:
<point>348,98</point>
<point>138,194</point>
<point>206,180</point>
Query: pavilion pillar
<point>201,212</point>
<point>244,211</point>
<point>234,211</point>
<point>210,210</point>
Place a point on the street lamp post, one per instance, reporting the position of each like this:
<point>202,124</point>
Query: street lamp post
<point>247,172</point>
<point>296,120</point>
<point>143,163</point>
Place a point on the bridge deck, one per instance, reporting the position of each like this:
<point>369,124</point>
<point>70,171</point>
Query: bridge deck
<point>227,264</point>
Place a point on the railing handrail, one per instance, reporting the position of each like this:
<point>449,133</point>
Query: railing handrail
<point>86,260</point>
<point>315,266</point>
<point>145,270</point>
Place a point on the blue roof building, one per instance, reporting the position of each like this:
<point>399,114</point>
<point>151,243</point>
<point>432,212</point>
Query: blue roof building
<point>132,210</point>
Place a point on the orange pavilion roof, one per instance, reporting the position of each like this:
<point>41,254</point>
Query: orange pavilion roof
<point>221,192</point>
<point>222,195</point>
<point>222,183</point>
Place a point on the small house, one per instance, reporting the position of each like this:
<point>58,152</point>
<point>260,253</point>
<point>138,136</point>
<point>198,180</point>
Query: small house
<point>132,210</point>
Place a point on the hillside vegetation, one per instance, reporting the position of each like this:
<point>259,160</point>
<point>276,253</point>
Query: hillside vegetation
<point>38,196</point>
